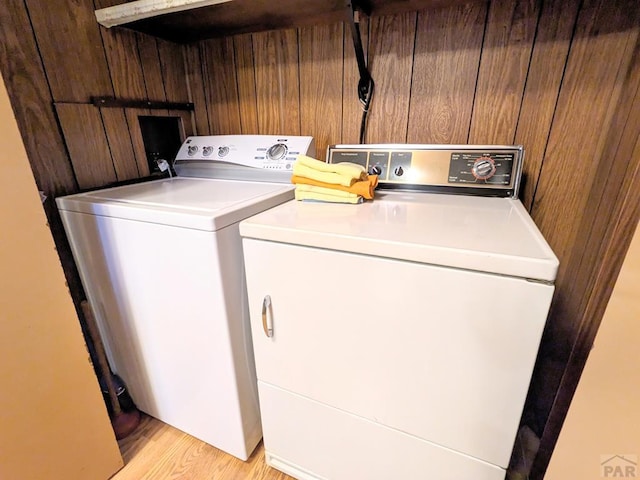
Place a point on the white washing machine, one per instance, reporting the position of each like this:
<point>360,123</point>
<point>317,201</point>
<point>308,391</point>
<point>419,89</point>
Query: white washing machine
<point>396,338</point>
<point>162,266</point>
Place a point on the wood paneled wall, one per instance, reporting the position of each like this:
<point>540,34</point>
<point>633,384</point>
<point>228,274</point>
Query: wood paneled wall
<point>54,57</point>
<point>69,58</point>
<point>560,77</point>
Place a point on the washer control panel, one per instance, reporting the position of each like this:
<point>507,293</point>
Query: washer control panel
<point>271,152</point>
<point>488,170</point>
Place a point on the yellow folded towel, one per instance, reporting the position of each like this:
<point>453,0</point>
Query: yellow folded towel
<point>347,169</point>
<point>363,188</point>
<point>326,177</point>
<point>336,173</point>
<point>325,191</point>
<point>323,197</point>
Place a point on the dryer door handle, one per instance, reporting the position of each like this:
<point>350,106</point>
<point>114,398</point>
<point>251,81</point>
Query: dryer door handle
<point>267,316</point>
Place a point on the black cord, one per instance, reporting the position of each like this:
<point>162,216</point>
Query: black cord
<point>365,85</point>
<point>366,102</point>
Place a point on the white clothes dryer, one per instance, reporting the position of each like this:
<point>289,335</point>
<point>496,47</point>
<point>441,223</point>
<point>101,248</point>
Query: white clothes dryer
<point>396,338</point>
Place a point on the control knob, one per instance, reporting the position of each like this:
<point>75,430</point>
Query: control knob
<point>375,170</point>
<point>398,171</point>
<point>223,151</point>
<point>206,151</point>
<point>483,168</point>
<point>192,150</point>
<point>277,151</point>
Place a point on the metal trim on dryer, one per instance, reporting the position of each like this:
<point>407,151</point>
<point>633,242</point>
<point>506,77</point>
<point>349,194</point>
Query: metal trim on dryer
<point>485,170</point>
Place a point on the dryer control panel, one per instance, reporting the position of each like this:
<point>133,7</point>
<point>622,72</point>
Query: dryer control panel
<point>487,170</point>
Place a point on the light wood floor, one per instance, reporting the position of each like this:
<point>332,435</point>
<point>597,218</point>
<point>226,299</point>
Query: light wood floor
<point>157,451</point>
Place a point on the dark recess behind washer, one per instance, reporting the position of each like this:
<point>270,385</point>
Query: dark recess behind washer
<point>161,137</point>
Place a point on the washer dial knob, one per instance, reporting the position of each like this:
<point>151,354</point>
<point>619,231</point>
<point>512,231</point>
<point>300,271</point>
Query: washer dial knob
<point>277,151</point>
<point>223,151</point>
<point>375,170</point>
<point>398,171</point>
<point>483,168</point>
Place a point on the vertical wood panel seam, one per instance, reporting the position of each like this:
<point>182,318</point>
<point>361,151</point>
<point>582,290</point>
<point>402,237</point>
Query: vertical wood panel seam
<point>106,60</point>
<point>299,82</point>
<point>555,108</point>
<point>200,51</point>
<point>237,82</point>
<point>369,49</point>
<point>130,138</point>
<point>35,41</point>
<point>46,77</point>
<point>475,90</point>
<point>339,139</point>
<point>106,136</point>
<point>126,119</point>
<point>144,80</point>
<point>206,81</point>
<point>541,4</point>
<point>192,114</point>
<point>129,129</point>
<point>333,141</point>
<point>369,23</point>
<point>203,49</point>
<point>162,71</point>
<point>146,90</point>
<point>413,64</point>
<point>185,63</point>
<point>255,81</point>
<point>64,143</point>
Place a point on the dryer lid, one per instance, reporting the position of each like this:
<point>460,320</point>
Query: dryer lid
<point>494,235</point>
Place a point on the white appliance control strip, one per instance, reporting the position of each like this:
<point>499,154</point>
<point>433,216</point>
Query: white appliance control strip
<point>257,151</point>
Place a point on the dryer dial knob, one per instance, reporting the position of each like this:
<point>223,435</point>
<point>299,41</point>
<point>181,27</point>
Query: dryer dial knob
<point>483,168</point>
<point>398,171</point>
<point>277,151</point>
<point>375,170</point>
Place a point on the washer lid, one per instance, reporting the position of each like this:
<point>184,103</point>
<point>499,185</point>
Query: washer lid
<point>203,204</point>
<point>494,235</point>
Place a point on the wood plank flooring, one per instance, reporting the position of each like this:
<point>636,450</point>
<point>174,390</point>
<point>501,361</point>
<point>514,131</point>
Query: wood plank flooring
<point>157,451</point>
